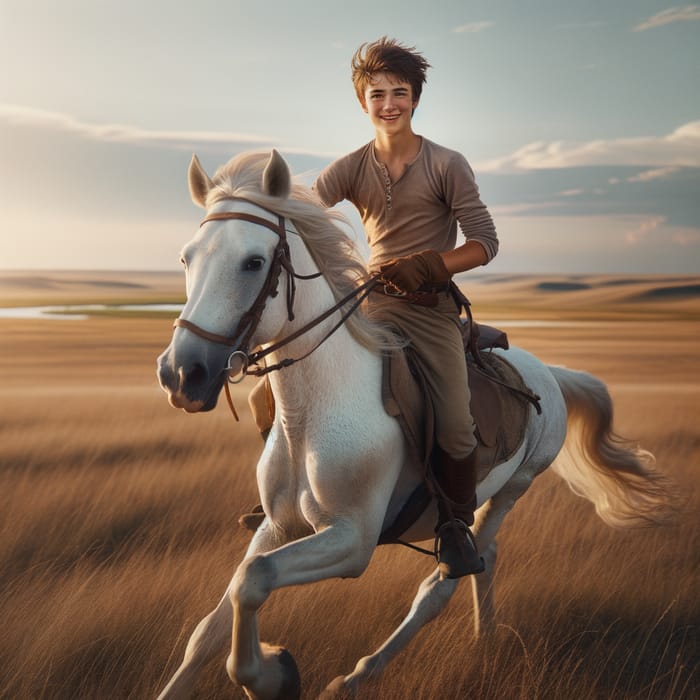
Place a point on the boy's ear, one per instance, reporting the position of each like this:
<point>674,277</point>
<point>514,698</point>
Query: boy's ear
<point>413,108</point>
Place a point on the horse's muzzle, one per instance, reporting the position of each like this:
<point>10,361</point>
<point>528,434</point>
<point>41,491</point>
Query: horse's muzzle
<point>190,384</point>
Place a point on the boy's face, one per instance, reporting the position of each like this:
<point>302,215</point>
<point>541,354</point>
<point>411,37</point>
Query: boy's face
<point>389,103</point>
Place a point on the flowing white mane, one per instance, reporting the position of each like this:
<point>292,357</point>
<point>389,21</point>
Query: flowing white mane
<point>332,250</point>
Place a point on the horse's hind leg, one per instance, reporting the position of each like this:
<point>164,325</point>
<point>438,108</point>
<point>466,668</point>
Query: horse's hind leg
<point>433,595</point>
<point>489,519</point>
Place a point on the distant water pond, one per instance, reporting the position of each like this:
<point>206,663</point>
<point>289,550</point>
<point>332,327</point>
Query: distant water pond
<point>528,323</point>
<point>82,311</point>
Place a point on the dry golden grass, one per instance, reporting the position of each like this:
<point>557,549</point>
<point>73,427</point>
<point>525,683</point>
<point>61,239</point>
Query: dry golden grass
<point>118,530</point>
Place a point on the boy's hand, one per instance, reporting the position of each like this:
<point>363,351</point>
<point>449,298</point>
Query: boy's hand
<point>416,270</point>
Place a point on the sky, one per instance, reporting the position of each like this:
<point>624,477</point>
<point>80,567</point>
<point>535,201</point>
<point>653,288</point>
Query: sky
<point>581,120</point>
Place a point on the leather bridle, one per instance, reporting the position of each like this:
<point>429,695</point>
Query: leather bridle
<point>250,320</point>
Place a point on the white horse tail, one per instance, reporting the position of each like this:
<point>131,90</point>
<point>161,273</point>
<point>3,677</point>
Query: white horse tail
<point>617,476</point>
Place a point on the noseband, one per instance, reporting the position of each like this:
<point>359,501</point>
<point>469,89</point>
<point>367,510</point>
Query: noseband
<point>251,319</point>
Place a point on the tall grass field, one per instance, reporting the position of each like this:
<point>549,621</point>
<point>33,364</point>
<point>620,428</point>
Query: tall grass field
<point>118,518</point>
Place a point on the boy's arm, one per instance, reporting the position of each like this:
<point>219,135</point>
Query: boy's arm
<point>465,257</point>
<point>331,184</point>
<point>462,195</point>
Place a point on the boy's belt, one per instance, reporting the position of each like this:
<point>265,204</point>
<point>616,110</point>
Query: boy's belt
<point>424,296</point>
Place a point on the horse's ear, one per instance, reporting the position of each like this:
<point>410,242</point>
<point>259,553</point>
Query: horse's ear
<point>277,180</point>
<point>200,183</point>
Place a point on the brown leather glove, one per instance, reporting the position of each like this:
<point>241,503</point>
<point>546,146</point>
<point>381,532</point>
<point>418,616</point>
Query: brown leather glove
<point>416,270</point>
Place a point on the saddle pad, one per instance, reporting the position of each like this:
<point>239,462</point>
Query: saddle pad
<point>499,413</point>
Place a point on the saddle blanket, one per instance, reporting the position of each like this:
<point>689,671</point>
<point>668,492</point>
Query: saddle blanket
<point>500,402</point>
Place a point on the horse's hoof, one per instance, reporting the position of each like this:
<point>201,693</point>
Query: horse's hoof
<point>290,688</point>
<point>278,679</point>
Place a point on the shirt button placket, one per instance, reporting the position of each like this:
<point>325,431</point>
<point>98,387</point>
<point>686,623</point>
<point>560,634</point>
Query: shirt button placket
<point>387,185</point>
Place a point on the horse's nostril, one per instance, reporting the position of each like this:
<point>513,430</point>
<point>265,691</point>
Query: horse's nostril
<point>197,374</point>
<point>194,375</point>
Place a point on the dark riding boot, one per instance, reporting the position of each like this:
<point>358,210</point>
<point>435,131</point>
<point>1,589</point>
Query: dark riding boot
<point>455,545</point>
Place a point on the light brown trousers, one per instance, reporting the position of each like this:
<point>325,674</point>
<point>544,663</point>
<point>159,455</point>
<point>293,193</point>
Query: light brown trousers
<point>435,335</point>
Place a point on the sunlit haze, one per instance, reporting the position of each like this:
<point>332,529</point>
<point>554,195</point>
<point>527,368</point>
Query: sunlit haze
<point>581,120</point>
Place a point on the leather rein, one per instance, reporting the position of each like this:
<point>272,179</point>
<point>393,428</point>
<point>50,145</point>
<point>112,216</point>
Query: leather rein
<point>250,320</point>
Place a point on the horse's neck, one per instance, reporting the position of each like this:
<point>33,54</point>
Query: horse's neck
<point>340,372</point>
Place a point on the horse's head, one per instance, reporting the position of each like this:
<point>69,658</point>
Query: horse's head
<point>233,267</point>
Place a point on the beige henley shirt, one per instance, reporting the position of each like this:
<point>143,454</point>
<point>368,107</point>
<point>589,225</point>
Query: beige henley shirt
<point>418,211</point>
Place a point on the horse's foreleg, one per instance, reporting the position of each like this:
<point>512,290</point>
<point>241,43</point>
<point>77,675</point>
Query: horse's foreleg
<point>208,639</point>
<point>432,598</point>
<point>213,634</point>
<point>268,673</point>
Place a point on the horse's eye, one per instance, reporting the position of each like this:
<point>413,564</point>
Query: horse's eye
<point>254,264</point>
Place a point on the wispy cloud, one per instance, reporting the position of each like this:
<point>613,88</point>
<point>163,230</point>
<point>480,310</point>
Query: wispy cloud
<point>583,25</point>
<point>523,208</point>
<point>572,192</point>
<point>473,27</point>
<point>686,236</point>
<point>681,148</point>
<point>19,115</point>
<point>655,174</point>
<point>673,14</point>
<point>227,141</point>
<point>647,175</point>
<point>645,227</point>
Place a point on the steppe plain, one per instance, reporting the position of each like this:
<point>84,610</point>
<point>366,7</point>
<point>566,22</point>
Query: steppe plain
<point>118,514</point>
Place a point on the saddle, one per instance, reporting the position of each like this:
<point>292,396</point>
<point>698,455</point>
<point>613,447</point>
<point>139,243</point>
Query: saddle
<point>500,399</point>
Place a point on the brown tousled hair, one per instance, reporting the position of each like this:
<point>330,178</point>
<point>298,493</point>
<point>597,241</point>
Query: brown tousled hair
<point>387,55</point>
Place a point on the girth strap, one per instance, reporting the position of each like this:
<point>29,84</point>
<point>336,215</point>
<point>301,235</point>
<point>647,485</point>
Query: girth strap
<point>414,507</point>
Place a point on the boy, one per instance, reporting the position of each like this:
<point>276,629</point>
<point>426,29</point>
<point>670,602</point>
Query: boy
<point>411,193</point>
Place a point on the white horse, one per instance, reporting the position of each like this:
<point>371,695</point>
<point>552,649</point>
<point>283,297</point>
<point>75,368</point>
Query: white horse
<point>335,469</point>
